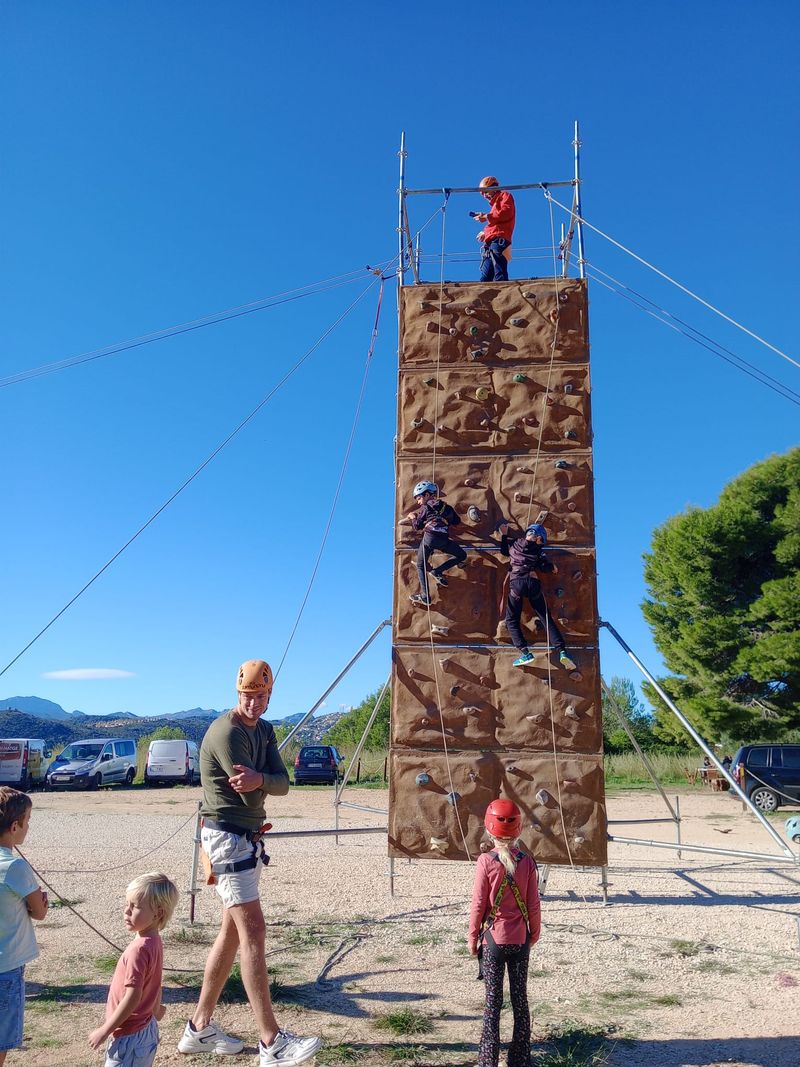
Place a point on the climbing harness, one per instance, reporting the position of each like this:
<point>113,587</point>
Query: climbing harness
<point>254,837</point>
<point>507,883</point>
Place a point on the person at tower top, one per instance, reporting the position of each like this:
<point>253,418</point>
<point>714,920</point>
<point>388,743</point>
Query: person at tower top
<point>526,557</point>
<point>496,235</point>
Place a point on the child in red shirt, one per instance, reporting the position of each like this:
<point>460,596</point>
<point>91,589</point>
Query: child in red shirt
<point>134,999</point>
<point>505,920</point>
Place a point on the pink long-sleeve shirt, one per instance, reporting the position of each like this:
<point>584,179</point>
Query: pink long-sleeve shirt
<point>509,926</point>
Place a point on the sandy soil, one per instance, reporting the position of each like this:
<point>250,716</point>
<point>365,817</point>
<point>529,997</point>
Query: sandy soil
<point>695,961</point>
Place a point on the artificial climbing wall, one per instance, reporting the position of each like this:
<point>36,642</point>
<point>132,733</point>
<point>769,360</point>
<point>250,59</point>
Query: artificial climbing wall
<point>494,406</point>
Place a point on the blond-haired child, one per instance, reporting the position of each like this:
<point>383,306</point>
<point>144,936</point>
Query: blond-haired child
<point>134,999</point>
<point>21,899</point>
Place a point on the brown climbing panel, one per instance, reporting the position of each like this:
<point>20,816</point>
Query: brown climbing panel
<point>494,406</point>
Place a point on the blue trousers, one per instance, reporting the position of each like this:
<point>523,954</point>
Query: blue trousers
<point>494,265</point>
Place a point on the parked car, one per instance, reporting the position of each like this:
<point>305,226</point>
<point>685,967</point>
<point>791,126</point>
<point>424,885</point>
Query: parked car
<point>318,764</point>
<point>172,761</point>
<point>23,761</point>
<point>94,762</point>
<point>768,774</point>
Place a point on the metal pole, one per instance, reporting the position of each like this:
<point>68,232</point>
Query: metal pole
<point>359,747</point>
<point>678,824</point>
<point>401,193</point>
<point>626,726</point>
<point>576,144</point>
<point>418,253</point>
<point>334,683</point>
<point>195,857</point>
<point>331,833</point>
<point>676,711</point>
<point>391,876</point>
<point>604,884</point>
<point>703,848</point>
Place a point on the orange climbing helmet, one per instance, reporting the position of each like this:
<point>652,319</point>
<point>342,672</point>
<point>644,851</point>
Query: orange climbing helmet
<point>255,676</point>
<point>503,819</point>
<point>488,181</point>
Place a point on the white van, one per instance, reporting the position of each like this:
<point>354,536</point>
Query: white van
<point>94,762</point>
<point>172,761</point>
<point>23,761</point>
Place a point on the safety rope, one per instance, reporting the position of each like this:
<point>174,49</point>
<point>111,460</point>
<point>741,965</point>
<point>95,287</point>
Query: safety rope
<point>732,358</point>
<point>453,795</point>
<point>677,284</point>
<point>198,470</point>
<point>342,472</point>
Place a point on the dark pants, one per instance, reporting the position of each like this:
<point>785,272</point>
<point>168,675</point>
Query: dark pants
<point>496,959</point>
<point>494,265</point>
<point>519,589</point>
<point>437,542</point>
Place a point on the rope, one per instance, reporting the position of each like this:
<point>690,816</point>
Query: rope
<point>209,459</point>
<point>701,339</point>
<point>130,862</point>
<point>678,285</point>
<point>342,472</point>
<point>312,289</point>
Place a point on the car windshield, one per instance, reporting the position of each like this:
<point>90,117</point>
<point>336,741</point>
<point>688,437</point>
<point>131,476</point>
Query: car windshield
<point>80,752</point>
<point>314,753</point>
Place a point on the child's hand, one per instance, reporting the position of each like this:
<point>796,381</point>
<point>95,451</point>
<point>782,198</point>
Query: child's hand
<point>97,1037</point>
<point>473,947</point>
<point>503,528</point>
<point>160,1012</point>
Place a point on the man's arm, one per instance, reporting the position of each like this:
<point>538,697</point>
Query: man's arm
<point>254,783</point>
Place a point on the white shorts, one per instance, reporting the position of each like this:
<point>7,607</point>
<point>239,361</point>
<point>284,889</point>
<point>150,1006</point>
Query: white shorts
<point>221,847</point>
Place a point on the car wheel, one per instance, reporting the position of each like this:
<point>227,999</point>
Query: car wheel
<point>96,781</point>
<point>130,776</point>
<point>764,799</point>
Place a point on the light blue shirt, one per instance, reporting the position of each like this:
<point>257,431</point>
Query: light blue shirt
<point>17,939</point>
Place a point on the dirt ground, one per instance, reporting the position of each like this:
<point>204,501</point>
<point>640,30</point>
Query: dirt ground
<point>695,961</point>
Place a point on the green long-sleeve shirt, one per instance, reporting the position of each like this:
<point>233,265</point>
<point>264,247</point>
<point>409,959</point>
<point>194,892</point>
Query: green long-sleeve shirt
<point>226,743</point>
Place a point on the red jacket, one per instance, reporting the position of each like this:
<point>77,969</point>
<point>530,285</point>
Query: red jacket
<point>502,216</point>
<point>509,926</point>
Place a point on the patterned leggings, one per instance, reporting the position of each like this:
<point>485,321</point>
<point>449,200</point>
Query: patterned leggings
<point>495,959</point>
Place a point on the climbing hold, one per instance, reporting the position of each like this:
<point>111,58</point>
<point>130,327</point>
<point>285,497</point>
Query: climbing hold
<point>577,575</point>
<point>529,420</point>
<point>509,429</point>
<point>425,305</point>
<point>471,709</point>
<point>569,387</point>
<point>429,381</point>
<point>571,713</point>
<point>570,435</point>
<point>470,483</point>
<point>475,353</point>
<point>474,331</point>
<point>559,591</point>
<point>563,298</point>
<point>579,839</point>
<point>535,825</point>
<point>432,327</point>
<point>482,393</point>
<point>562,464</point>
<point>529,296</point>
<point>424,722</point>
<point>512,769</point>
<point>525,470</point>
<point>485,422</point>
<point>454,690</point>
<point>484,680</point>
<point>553,316</point>
<point>422,778</point>
<point>542,796</point>
<point>572,506</point>
<point>535,718</point>
<point>576,676</point>
<point>472,776</point>
<point>441,630</point>
<point>444,663</point>
<point>438,844</point>
<point>518,498</point>
<point>518,322</point>
<point>453,331</point>
<point>416,423</point>
<point>473,513</point>
<point>542,515</point>
<point>520,377</point>
<point>570,785</point>
<point>550,401</point>
<point>453,799</point>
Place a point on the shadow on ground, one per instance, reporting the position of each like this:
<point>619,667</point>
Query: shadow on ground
<point>713,1052</point>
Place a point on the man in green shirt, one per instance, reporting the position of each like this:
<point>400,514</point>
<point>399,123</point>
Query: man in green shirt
<point>239,767</point>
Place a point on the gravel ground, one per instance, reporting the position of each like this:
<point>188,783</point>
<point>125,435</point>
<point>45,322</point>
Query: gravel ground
<point>694,962</point>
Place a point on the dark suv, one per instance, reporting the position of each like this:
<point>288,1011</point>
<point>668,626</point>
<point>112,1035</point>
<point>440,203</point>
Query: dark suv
<point>768,774</point>
<point>318,763</point>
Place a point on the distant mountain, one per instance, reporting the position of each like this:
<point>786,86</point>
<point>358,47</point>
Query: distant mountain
<point>44,709</point>
<point>56,731</point>
<point>194,713</point>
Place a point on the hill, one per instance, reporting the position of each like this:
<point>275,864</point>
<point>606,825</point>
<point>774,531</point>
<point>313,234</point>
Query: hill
<point>43,709</point>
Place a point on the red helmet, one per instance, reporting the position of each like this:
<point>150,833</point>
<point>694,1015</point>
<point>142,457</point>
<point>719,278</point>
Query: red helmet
<point>503,819</point>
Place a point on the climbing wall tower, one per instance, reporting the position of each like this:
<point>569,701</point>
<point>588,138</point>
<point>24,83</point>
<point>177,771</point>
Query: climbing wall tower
<point>494,406</point>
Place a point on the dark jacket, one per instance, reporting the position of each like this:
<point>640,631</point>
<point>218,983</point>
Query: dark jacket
<point>435,517</point>
<point>526,556</point>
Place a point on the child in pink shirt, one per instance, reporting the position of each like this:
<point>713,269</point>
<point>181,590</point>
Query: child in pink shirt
<point>505,920</point>
<point>134,999</point>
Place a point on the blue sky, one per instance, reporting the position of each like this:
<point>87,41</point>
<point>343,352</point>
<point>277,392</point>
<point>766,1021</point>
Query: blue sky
<point>162,162</point>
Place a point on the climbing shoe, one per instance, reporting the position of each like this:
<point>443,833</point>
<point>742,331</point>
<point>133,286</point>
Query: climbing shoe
<point>439,578</point>
<point>524,659</point>
<point>567,663</point>
<point>419,598</point>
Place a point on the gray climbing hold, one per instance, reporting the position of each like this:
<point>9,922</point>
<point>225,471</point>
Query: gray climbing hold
<point>518,322</point>
<point>562,464</point>
<point>570,435</point>
<point>423,778</point>
<point>569,387</point>
<point>453,799</point>
<point>542,796</point>
<point>473,513</point>
<point>429,381</point>
<point>559,591</point>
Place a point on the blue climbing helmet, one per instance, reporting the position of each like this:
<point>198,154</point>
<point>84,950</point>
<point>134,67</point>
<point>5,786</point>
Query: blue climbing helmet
<point>537,530</point>
<point>425,487</point>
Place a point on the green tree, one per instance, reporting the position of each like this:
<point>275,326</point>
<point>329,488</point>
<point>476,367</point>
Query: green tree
<point>615,739</point>
<point>724,607</point>
<point>348,730</point>
<point>163,733</point>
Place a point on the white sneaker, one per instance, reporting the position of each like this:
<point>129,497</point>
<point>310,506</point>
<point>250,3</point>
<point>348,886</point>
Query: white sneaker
<point>209,1039</point>
<point>287,1050</point>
